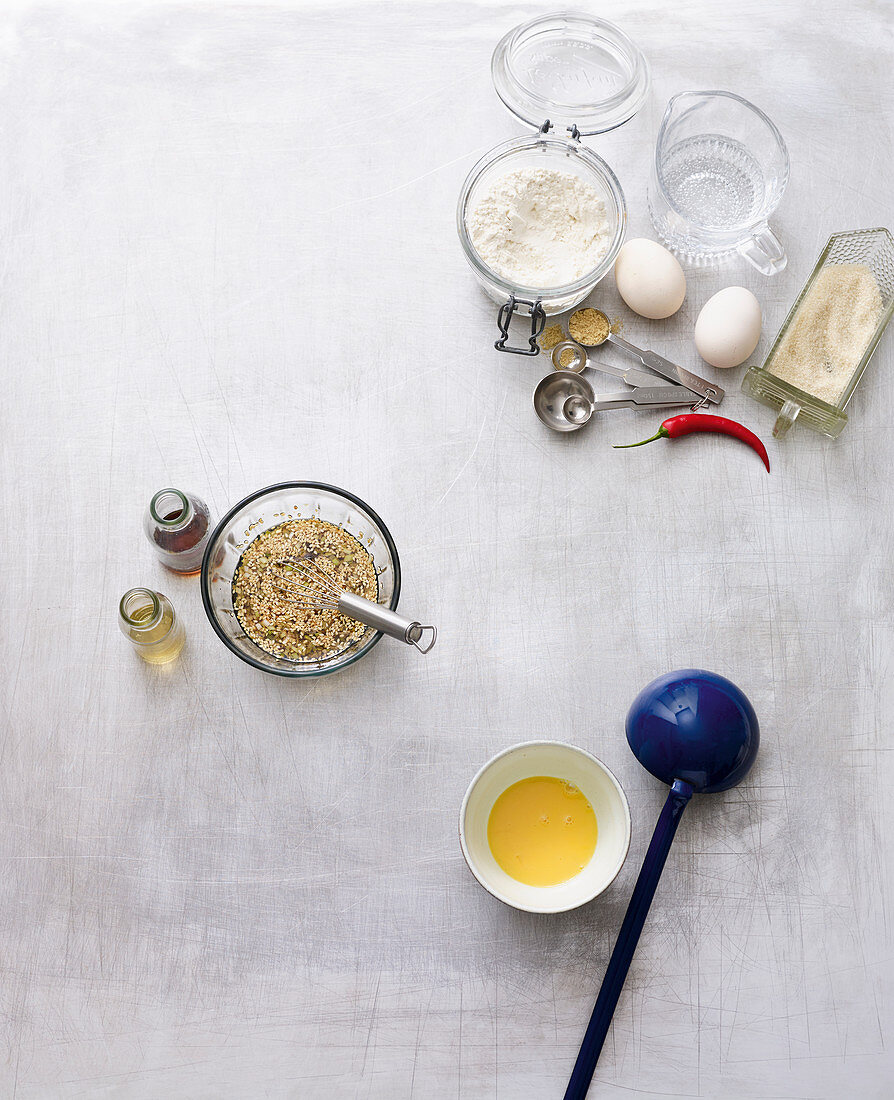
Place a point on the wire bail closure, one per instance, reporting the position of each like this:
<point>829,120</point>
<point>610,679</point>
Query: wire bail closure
<point>504,316</point>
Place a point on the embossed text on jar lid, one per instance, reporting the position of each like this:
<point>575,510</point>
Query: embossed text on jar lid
<point>572,69</point>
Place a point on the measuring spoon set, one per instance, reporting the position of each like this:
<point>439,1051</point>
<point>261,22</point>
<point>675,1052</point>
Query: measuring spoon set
<point>564,400</point>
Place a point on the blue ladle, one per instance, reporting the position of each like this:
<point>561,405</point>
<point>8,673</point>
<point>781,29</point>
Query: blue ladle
<point>696,731</point>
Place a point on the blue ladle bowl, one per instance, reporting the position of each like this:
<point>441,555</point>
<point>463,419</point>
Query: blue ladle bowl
<point>696,731</point>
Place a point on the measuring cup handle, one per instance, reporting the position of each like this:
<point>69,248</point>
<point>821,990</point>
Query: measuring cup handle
<point>764,251</point>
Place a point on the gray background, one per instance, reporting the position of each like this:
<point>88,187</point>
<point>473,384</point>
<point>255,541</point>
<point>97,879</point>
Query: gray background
<point>229,259</point>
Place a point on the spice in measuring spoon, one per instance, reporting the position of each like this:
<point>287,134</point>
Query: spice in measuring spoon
<point>689,423</point>
<point>589,327</point>
<point>593,329</point>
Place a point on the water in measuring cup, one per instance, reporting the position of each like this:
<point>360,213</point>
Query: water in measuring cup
<point>714,181</point>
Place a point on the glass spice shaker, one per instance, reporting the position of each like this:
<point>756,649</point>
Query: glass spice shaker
<point>178,525</point>
<point>148,619</point>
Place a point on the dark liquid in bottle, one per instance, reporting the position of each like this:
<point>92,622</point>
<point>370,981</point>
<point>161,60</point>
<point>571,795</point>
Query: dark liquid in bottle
<point>183,548</point>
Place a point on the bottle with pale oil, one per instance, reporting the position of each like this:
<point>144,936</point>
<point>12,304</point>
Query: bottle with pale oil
<point>149,621</point>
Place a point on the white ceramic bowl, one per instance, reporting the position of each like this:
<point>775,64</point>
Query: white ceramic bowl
<point>599,787</point>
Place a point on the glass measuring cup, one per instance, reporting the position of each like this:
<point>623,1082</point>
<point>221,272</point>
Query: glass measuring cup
<point>719,172</point>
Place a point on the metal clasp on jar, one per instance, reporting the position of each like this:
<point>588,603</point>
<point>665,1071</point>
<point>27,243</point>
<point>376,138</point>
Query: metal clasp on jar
<point>504,316</point>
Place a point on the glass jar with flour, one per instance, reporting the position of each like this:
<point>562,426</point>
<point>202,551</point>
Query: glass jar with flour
<point>541,218</point>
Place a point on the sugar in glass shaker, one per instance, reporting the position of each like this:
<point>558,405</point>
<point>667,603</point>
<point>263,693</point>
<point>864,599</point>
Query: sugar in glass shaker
<point>178,525</point>
<point>149,621</point>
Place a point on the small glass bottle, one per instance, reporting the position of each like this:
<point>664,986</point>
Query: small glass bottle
<point>178,525</point>
<point>148,619</point>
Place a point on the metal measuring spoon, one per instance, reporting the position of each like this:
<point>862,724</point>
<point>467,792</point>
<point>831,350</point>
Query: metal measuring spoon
<point>697,732</point>
<point>564,401</point>
<point>580,405</point>
<point>657,364</point>
<point>552,394</point>
<point>578,361</point>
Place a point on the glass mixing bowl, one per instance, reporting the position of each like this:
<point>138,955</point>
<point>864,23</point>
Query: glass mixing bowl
<point>258,513</point>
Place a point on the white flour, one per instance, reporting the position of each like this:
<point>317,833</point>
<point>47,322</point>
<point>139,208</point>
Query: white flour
<point>538,227</point>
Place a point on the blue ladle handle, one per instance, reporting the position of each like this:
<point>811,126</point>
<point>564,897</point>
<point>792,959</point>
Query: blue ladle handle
<point>628,937</point>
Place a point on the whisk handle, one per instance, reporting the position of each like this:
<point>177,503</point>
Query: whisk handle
<point>388,621</point>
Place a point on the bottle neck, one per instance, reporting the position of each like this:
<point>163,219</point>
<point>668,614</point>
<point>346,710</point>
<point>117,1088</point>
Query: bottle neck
<point>140,609</point>
<point>171,509</point>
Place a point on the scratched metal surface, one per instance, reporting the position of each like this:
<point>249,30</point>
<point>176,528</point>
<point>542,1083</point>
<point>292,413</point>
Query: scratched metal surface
<point>229,258</point>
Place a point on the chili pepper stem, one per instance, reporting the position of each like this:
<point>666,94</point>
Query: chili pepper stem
<point>662,433</point>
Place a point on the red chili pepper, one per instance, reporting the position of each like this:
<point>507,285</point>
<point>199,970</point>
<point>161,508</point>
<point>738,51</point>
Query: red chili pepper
<point>701,422</point>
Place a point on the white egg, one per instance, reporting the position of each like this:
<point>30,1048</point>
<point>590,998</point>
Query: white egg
<point>728,327</point>
<point>649,279</point>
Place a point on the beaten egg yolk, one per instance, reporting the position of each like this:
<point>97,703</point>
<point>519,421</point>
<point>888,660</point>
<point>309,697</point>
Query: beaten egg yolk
<point>542,831</point>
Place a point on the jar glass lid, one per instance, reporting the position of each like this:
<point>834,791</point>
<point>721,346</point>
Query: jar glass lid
<point>573,69</point>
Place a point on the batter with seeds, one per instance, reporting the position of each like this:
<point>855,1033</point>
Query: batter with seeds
<point>268,610</point>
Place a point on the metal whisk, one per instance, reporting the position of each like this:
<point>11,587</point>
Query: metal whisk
<point>312,589</point>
